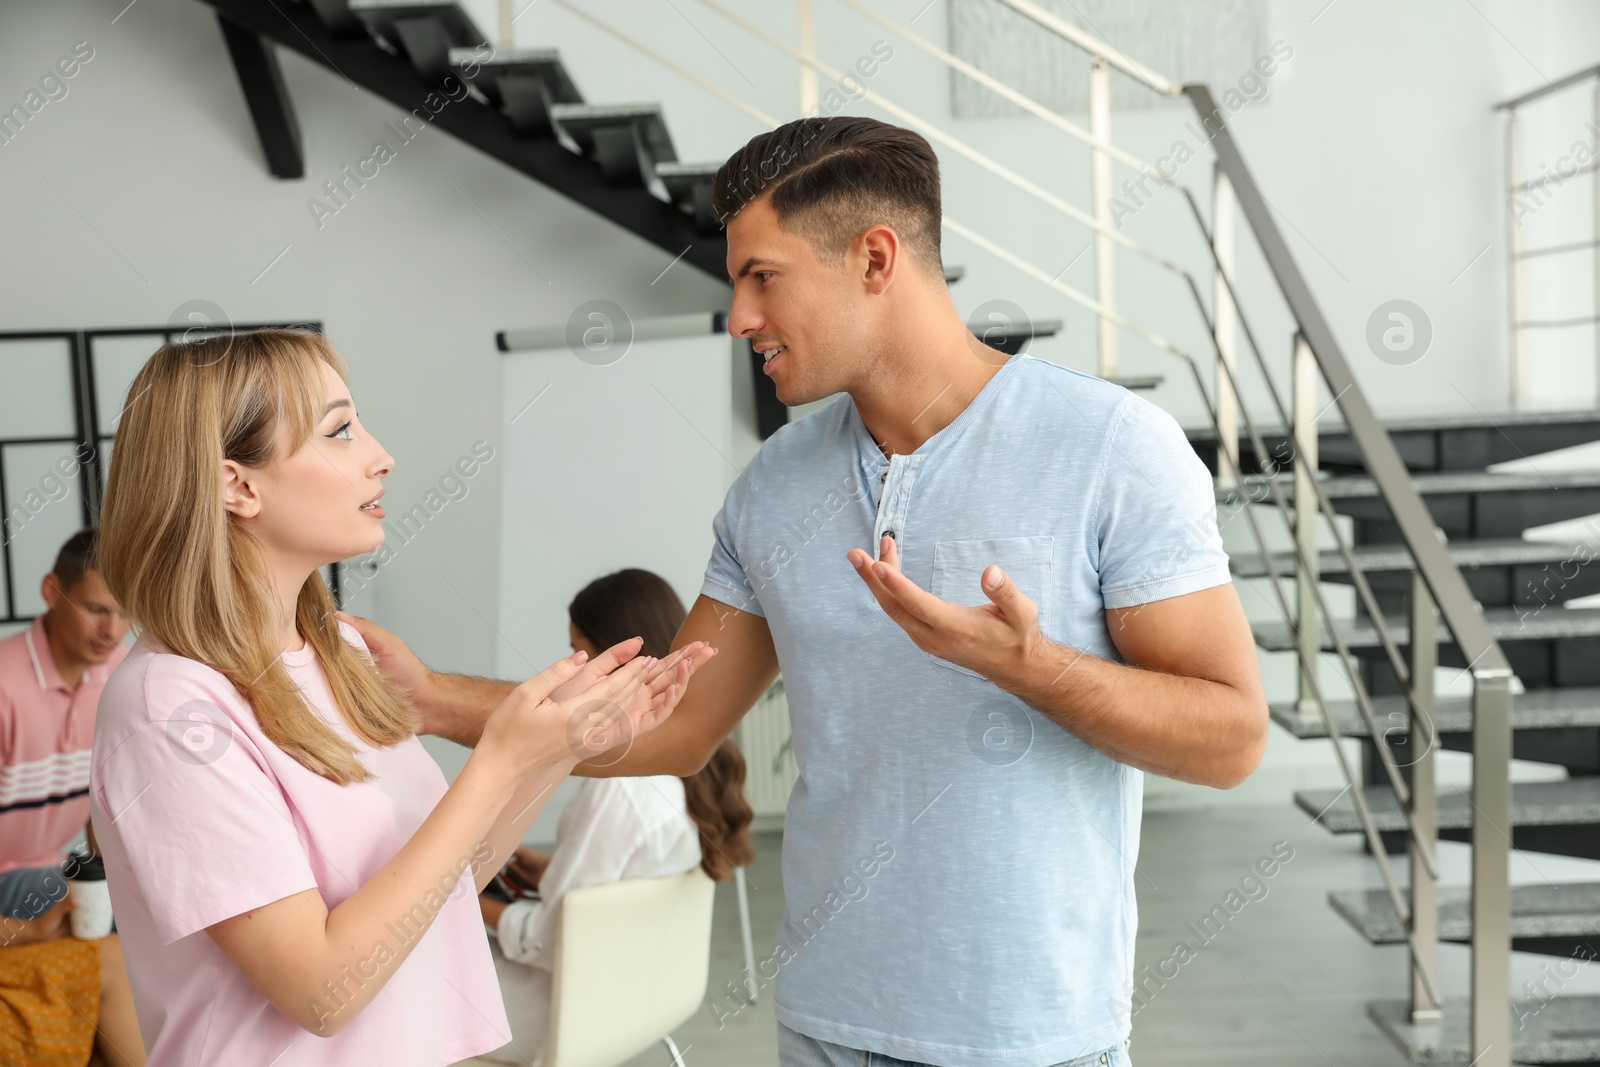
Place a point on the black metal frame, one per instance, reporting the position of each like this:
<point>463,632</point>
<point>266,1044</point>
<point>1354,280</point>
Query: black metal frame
<point>86,433</point>
<point>255,61</point>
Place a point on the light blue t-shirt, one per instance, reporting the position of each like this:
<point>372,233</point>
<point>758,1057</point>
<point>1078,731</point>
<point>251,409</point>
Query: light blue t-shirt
<point>958,867</point>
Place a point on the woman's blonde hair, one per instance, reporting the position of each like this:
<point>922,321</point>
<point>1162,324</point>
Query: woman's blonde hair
<point>189,574</point>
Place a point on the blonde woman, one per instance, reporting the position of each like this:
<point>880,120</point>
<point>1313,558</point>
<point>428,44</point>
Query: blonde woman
<point>293,881</point>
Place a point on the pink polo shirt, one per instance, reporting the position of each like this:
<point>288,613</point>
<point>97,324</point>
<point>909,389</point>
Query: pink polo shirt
<point>200,817</point>
<point>46,731</point>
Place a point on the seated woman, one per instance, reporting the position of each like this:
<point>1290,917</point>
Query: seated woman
<point>614,828</point>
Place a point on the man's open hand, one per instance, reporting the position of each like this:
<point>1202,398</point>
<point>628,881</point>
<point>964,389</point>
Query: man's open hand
<point>991,638</point>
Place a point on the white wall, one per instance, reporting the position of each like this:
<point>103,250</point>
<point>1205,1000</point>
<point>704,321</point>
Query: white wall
<point>1376,145</point>
<point>154,147</point>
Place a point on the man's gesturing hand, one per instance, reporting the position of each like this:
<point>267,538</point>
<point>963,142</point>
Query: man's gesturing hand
<point>991,638</point>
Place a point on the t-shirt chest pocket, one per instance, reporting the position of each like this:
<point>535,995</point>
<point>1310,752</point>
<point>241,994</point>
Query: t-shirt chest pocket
<point>958,568</point>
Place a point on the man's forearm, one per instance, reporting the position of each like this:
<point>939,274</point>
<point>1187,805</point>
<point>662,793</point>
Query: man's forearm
<point>1191,729</point>
<point>455,706</point>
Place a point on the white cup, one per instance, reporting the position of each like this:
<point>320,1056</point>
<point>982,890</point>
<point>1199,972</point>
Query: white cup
<point>91,899</point>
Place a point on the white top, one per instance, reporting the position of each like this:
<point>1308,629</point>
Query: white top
<point>613,828</point>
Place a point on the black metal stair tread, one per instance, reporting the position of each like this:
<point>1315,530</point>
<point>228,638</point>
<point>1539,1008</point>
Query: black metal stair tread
<point>456,23</point>
<point>1570,801</point>
<point>681,178</point>
<point>1349,487</point>
<point>954,274</point>
<point>581,120</point>
<point>1468,420</point>
<point>1484,552</point>
<point>542,62</point>
<point>1536,709</point>
<point>1505,624</point>
<point>1544,910</point>
<point>1559,1029</point>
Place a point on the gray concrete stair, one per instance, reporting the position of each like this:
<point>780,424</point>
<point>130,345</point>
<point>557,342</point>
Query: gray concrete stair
<point>1505,624</point>
<point>1540,709</point>
<point>1537,911</point>
<point>1465,505</point>
<point>1376,559</point>
<point>1573,801</point>
<point>1562,1029</point>
<point>1458,441</point>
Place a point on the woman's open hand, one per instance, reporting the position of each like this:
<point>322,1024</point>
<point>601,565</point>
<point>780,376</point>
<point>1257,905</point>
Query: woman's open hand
<point>546,721</point>
<point>664,685</point>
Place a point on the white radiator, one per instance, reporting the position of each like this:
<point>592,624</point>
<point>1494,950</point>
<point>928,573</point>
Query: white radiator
<point>762,735</point>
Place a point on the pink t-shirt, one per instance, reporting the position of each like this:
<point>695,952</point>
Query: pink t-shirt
<point>200,817</point>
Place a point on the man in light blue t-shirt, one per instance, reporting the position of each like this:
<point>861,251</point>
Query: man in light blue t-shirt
<point>997,594</point>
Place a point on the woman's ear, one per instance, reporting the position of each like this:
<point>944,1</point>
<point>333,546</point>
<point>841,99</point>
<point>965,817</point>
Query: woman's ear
<point>239,493</point>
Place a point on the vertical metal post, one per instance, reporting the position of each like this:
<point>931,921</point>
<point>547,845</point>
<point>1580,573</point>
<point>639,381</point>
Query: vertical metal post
<point>750,984</point>
<point>1306,374</point>
<point>508,33</point>
<point>1514,259</point>
<point>1105,269</point>
<point>1227,326</point>
<point>1594,178</point>
<point>1491,868</point>
<point>1420,738</point>
<point>807,44</point>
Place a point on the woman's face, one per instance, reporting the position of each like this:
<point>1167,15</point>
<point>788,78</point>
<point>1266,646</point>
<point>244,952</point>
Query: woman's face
<point>310,507</point>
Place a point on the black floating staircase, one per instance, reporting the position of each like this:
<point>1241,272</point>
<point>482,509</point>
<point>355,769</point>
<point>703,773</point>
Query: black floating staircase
<point>519,106</point>
<point>1522,587</point>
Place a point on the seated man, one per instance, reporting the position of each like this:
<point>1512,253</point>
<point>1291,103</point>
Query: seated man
<point>51,676</point>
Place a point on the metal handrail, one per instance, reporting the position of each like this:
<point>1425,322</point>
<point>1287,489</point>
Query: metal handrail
<point>1384,466</point>
<point>1529,97</point>
<point>1022,100</point>
<point>1095,47</point>
<point>933,132</point>
<point>677,68</point>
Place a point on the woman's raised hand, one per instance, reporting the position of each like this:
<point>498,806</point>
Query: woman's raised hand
<point>534,727</point>
<point>664,685</point>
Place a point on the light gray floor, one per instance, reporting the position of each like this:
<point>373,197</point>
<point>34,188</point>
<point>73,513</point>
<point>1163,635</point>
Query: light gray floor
<point>1285,983</point>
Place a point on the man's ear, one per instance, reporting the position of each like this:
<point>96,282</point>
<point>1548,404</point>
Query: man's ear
<point>50,589</point>
<point>880,250</point>
<point>239,493</point>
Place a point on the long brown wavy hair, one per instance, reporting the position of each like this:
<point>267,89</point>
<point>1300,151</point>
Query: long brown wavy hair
<point>187,573</point>
<point>640,603</point>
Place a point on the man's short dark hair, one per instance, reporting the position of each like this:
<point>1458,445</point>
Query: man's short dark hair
<point>76,558</point>
<point>833,177</point>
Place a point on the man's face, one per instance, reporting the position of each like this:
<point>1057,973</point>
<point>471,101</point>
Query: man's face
<point>86,619</point>
<point>789,302</point>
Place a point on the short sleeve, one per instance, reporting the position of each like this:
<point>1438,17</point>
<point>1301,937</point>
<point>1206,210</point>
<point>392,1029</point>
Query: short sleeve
<point>726,579</point>
<point>1156,515</point>
<point>202,824</point>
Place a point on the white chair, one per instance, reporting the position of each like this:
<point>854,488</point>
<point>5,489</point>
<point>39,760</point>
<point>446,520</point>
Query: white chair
<point>632,960</point>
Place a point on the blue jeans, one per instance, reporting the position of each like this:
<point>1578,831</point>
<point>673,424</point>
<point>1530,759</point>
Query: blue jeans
<point>28,892</point>
<point>797,1050</point>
